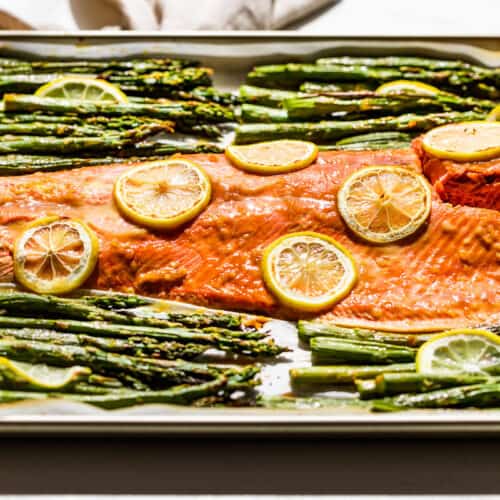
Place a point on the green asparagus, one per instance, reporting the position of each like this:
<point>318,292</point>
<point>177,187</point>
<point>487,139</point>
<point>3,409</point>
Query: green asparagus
<point>249,344</point>
<point>376,137</point>
<point>265,97</point>
<point>251,113</point>
<point>400,62</point>
<point>477,395</point>
<point>20,164</point>
<point>138,66</point>
<point>203,94</point>
<point>389,384</point>
<point>337,87</point>
<point>316,107</point>
<point>376,140</point>
<point>179,395</point>
<point>53,129</point>
<point>68,145</point>
<point>114,301</point>
<point>330,131</point>
<point>330,350</point>
<point>148,370</point>
<point>292,75</point>
<point>161,81</point>
<point>186,113</point>
<point>74,308</point>
<point>310,329</point>
<point>343,374</point>
<point>134,346</point>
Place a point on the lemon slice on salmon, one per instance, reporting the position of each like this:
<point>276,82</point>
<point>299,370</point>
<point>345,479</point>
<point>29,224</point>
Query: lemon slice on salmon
<point>382,204</point>
<point>55,255</point>
<point>467,141</point>
<point>273,157</point>
<point>407,87</point>
<point>84,88</point>
<point>308,271</point>
<point>468,351</point>
<point>163,194</point>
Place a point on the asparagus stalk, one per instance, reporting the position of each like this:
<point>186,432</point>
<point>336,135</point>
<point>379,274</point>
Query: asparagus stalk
<point>133,346</point>
<point>376,137</point>
<point>343,374</point>
<point>116,301</point>
<point>147,370</point>
<point>70,145</point>
<point>251,113</point>
<point>30,303</point>
<point>51,129</point>
<point>203,94</point>
<point>401,62</point>
<point>170,83</point>
<point>389,384</point>
<point>315,107</point>
<point>477,395</point>
<point>337,87</point>
<point>365,146</point>
<point>248,343</point>
<point>105,382</point>
<point>330,131</point>
<point>161,81</point>
<point>186,113</point>
<point>180,395</point>
<point>377,140</point>
<point>99,123</point>
<point>292,75</point>
<point>137,66</point>
<point>24,83</point>
<point>20,164</point>
<point>330,350</point>
<point>310,329</point>
<point>265,97</point>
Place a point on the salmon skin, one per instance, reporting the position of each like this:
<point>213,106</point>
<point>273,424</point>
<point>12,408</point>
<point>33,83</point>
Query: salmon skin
<point>463,183</point>
<point>447,275</point>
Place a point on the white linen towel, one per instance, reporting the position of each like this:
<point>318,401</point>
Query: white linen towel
<point>162,15</point>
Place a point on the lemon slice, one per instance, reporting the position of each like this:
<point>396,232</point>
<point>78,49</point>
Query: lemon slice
<point>468,141</point>
<point>407,87</point>
<point>308,271</point>
<point>163,194</point>
<point>55,255</point>
<point>18,375</point>
<point>382,204</point>
<point>494,114</point>
<point>84,88</point>
<point>273,157</point>
<point>460,351</point>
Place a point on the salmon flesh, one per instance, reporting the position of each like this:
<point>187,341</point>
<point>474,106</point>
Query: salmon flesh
<point>446,275</point>
<point>463,183</point>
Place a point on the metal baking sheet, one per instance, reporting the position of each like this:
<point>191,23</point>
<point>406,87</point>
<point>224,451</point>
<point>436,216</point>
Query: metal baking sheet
<point>232,55</point>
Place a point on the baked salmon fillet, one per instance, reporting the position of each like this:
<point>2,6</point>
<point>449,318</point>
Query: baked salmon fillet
<point>463,183</point>
<point>446,275</point>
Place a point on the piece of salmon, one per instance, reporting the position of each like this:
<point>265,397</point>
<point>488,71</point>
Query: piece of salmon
<point>446,275</point>
<point>463,183</point>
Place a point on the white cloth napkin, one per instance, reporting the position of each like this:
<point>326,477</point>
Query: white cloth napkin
<point>155,14</point>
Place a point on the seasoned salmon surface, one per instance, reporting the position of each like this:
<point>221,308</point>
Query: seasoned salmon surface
<point>463,183</point>
<point>446,275</point>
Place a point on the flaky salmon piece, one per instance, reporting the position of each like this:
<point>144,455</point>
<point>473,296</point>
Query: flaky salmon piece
<point>447,275</point>
<point>463,183</point>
